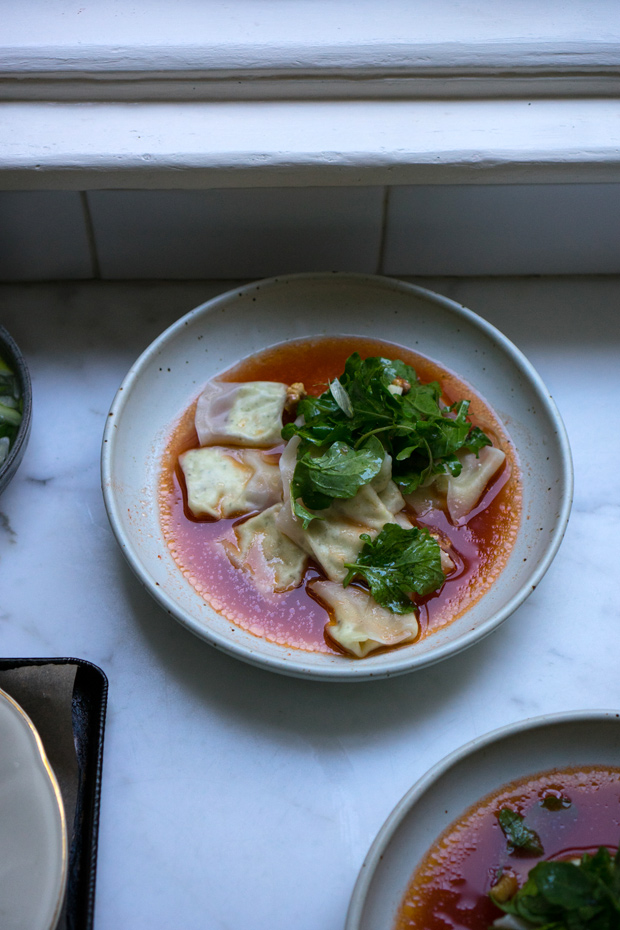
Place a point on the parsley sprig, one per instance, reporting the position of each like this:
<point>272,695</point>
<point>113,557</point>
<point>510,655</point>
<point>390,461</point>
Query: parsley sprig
<point>346,432</point>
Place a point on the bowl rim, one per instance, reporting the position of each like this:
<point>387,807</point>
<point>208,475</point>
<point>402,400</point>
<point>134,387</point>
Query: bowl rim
<point>391,663</point>
<point>9,347</point>
<point>408,801</point>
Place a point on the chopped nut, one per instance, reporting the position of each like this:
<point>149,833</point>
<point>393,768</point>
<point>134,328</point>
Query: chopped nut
<point>294,394</point>
<point>403,384</point>
<point>505,888</point>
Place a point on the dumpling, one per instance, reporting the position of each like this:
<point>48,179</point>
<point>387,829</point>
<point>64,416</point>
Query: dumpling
<point>274,561</point>
<point>361,625</point>
<point>225,482</point>
<point>248,414</point>
<point>465,491</point>
<point>458,495</point>
<point>335,539</point>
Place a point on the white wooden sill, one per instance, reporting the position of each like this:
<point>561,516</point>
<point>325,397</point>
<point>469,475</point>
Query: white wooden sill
<point>294,92</point>
<point>206,145</point>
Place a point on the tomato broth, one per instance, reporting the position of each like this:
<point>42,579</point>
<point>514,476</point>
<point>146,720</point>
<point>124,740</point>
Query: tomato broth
<point>480,547</point>
<point>573,812</point>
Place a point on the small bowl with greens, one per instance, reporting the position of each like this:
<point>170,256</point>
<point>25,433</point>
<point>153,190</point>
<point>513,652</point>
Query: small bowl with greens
<point>15,407</point>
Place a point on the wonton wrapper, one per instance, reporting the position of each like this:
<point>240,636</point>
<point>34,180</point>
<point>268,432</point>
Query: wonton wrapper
<point>465,491</point>
<point>225,482</point>
<point>274,561</point>
<point>335,539</point>
<point>361,625</point>
<point>248,414</point>
<point>459,495</point>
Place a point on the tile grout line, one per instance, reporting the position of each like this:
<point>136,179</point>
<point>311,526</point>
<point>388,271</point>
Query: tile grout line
<point>384,208</point>
<point>90,235</point>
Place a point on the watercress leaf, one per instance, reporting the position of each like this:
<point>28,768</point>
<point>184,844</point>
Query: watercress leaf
<point>518,835</point>
<point>570,896</point>
<point>396,564</point>
<point>476,440</point>
<point>403,371</point>
<point>337,473</point>
<point>302,513</point>
<point>453,465</point>
<point>420,434</point>
<point>424,399</point>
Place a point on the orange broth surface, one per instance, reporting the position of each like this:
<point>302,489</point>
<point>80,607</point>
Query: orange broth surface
<point>480,547</point>
<point>449,889</point>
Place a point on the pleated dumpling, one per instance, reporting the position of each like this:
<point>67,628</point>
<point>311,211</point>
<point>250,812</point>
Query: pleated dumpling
<point>360,625</point>
<point>248,414</point>
<point>464,491</point>
<point>335,538</point>
<point>273,560</point>
<point>225,482</point>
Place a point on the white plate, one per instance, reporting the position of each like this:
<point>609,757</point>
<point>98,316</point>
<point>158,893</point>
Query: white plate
<point>461,779</point>
<point>210,339</point>
<point>33,838</point>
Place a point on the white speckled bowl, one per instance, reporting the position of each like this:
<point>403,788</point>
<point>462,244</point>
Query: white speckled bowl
<point>171,372</point>
<point>589,737</point>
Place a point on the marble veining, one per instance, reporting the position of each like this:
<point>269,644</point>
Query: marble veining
<point>233,797</point>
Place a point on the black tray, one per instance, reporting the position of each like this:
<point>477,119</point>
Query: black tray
<point>88,708</point>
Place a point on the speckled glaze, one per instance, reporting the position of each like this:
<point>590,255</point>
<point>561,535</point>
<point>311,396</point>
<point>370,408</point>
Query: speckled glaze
<point>458,781</point>
<point>11,353</point>
<point>172,371</point>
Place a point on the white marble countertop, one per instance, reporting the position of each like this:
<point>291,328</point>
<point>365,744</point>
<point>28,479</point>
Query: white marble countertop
<point>232,797</point>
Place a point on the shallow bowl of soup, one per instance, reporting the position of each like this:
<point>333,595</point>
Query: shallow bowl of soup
<point>479,823</point>
<point>15,407</point>
<point>291,567</point>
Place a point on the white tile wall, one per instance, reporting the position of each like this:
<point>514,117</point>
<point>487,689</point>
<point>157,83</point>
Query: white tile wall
<point>417,230</point>
<point>503,229</point>
<point>43,235</point>
<point>236,233</point>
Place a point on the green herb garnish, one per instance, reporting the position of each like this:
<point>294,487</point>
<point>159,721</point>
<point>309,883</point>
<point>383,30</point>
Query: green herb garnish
<point>570,896</point>
<point>396,564</point>
<point>337,473</point>
<point>364,416</point>
<point>518,835</point>
<point>11,408</point>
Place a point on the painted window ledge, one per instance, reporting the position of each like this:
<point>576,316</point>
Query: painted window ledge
<point>284,92</point>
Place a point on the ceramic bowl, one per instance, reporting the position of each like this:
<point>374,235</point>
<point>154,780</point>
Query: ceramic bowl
<point>172,371</point>
<point>10,352</point>
<point>459,781</point>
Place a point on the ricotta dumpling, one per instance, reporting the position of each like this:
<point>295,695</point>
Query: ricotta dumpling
<point>273,560</point>
<point>464,491</point>
<point>360,625</point>
<point>224,482</point>
<point>248,414</point>
<point>335,538</point>
<point>458,495</point>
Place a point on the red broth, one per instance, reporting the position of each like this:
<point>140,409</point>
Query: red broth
<point>482,545</point>
<point>449,890</point>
